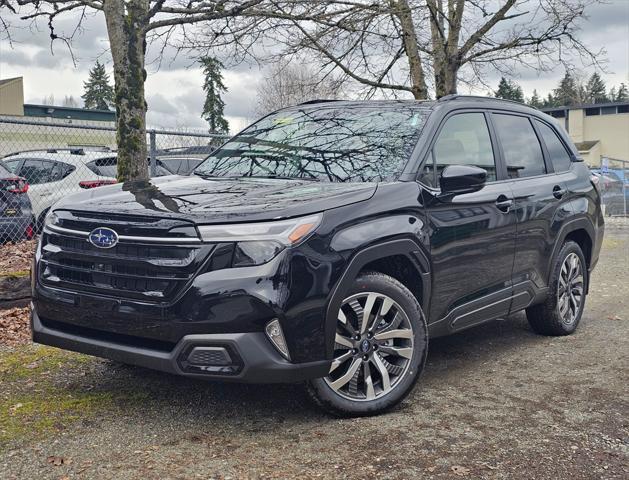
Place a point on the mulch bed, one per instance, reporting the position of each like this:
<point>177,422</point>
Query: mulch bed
<point>15,327</point>
<point>15,262</point>
<point>16,257</point>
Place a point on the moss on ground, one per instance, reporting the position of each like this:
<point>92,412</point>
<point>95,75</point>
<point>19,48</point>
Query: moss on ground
<point>40,393</point>
<point>16,274</point>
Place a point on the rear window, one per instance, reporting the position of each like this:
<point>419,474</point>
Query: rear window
<point>108,167</point>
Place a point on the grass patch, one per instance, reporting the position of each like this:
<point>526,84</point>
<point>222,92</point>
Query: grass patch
<point>26,416</point>
<point>32,360</point>
<point>42,393</point>
<point>16,274</point>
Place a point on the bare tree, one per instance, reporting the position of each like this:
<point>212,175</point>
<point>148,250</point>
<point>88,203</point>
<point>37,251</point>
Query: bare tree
<point>411,45</point>
<point>130,23</point>
<point>290,84</point>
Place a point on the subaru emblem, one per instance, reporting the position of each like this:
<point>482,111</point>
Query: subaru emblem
<point>103,237</point>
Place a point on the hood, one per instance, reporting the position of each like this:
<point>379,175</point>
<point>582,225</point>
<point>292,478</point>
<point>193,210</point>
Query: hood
<point>205,200</point>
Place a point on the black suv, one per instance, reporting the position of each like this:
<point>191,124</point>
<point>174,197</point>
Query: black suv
<point>327,243</point>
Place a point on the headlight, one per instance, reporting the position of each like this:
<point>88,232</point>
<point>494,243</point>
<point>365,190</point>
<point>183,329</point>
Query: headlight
<point>258,243</point>
<point>286,232</point>
<point>51,218</point>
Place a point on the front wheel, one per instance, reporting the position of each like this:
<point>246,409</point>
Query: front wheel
<point>380,349</point>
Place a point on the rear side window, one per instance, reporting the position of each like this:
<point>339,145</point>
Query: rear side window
<point>37,171</point>
<point>556,150</point>
<point>521,147</point>
<point>463,140</point>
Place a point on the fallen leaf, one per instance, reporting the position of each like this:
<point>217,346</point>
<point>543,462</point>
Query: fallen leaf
<point>460,471</point>
<point>55,460</point>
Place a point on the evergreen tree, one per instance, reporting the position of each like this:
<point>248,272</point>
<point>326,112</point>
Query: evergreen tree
<point>550,101</point>
<point>595,90</point>
<point>535,101</point>
<point>509,90</point>
<point>567,92</point>
<point>213,86</point>
<point>98,93</point>
<point>622,95</point>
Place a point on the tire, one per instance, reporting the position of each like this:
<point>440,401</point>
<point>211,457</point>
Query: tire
<point>374,370</point>
<point>554,317</point>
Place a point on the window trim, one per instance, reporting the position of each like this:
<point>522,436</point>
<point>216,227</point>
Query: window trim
<point>428,155</point>
<point>530,118</point>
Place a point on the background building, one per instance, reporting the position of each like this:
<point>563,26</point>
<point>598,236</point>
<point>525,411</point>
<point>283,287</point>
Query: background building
<point>599,131</point>
<point>12,104</point>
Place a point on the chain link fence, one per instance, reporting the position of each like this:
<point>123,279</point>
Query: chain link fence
<point>614,182</point>
<point>42,161</point>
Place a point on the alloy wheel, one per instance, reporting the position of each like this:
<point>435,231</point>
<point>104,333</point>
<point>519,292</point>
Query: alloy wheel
<point>570,288</point>
<point>373,347</point>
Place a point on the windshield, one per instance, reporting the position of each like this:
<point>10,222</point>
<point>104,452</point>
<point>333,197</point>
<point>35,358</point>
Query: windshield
<point>338,144</point>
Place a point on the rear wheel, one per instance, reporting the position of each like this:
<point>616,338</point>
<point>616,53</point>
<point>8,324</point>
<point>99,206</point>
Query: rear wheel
<point>380,349</point>
<point>561,312</point>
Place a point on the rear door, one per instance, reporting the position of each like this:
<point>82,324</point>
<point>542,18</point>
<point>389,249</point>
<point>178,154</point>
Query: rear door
<point>541,199</point>
<point>472,234</point>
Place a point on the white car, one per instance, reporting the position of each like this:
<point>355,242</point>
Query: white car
<point>55,173</point>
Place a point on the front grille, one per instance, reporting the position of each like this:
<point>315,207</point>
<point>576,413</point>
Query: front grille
<point>132,269</point>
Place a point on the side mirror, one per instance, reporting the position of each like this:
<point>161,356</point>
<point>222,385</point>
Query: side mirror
<point>462,179</point>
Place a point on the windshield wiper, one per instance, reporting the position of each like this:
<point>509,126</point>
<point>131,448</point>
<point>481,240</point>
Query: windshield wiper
<point>280,177</point>
<point>241,177</point>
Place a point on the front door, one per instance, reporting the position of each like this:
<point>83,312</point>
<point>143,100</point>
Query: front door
<point>472,234</point>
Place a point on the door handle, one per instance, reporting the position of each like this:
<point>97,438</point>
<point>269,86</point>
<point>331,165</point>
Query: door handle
<point>503,203</point>
<point>558,192</point>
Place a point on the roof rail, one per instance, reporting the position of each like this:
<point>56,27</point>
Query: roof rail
<point>456,96</point>
<point>322,100</point>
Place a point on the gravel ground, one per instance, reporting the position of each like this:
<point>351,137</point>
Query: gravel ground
<point>495,402</point>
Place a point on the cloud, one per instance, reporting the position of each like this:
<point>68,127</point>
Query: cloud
<point>173,88</point>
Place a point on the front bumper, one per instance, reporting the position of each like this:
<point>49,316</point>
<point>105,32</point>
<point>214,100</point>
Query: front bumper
<point>255,359</point>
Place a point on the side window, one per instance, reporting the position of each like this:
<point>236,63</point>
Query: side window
<point>556,150</point>
<point>106,167</point>
<point>12,165</point>
<point>64,169</point>
<point>463,140</point>
<point>38,171</point>
<point>521,148</point>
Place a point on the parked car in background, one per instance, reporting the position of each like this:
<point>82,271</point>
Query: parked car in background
<point>16,215</point>
<point>612,194</point>
<point>55,173</point>
<point>181,165</point>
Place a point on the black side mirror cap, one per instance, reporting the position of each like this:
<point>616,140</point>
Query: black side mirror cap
<point>462,179</point>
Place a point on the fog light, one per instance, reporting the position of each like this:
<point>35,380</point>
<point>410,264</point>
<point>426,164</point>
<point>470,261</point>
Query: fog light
<point>274,332</point>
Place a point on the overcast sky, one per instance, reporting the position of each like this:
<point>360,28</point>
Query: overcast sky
<point>174,93</point>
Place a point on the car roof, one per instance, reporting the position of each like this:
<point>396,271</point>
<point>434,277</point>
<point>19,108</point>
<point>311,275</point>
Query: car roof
<point>73,156</point>
<point>453,101</point>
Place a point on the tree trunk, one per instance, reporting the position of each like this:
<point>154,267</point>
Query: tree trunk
<point>445,45</point>
<point>445,77</point>
<point>409,37</point>
<point>127,39</point>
